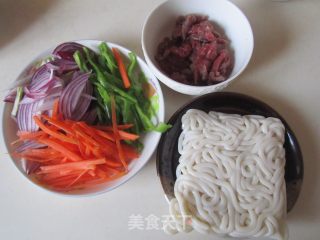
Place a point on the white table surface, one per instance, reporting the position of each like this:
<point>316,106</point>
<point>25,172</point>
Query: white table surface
<point>284,72</point>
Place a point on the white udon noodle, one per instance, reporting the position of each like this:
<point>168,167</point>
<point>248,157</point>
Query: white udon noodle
<point>230,177</point>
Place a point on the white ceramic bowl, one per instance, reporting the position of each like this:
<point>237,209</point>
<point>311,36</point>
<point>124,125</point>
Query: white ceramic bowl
<point>150,140</point>
<point>228,16</point>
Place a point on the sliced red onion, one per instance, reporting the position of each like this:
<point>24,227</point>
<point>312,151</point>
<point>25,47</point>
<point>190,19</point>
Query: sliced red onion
<point>84,102</point>
<point>50,81</point>
<point>72,105</point>
<point>29,145</point>
<point>90,116</point>
<point>46,106</point>
<point>66,50</point>
<point>62,65</point>
<point>48,101</point>
<point>40,78</point>
<point>34,96</point>
<point>54,84</point>
<point>29,166</point>
<point>76,74</point>
<point>85,95</point>
<point>25,116</point>
<point>55,92</point>
<point>27,100</point>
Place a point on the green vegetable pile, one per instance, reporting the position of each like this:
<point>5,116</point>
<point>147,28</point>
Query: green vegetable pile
<point>134,106</point>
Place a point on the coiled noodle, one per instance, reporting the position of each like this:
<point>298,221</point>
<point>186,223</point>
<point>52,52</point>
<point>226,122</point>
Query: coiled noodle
<point>230,177</point>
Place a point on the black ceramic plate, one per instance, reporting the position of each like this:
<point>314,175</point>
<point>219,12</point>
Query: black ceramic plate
<point>227,102</point>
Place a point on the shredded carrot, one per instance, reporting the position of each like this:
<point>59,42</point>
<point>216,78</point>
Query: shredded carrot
<point>76,155</point>
<point>55,110</point>
<point>122,68</point>
<point>60,148</point>
<point>28,136</point>
<point>128,136</point>
<point>41,153</point>
<point>58,124</point>
<point>93,132</point>
<point>88,164</point>
<point>112,165</point>
<point>116,133</point>
<point>77,179</point>
<point>105,135</point>
<point>51,132</point>
<point>87,139</point>
<point>130,152</point>
<point>34,158</point>
<point>108,147</point>
<point>92,173</point>
<point>123,135</point>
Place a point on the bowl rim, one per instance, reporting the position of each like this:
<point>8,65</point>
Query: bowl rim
<point>169,81</point>
<point>160,116</point>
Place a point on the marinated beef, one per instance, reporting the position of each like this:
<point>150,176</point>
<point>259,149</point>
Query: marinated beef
<point>196,54</point>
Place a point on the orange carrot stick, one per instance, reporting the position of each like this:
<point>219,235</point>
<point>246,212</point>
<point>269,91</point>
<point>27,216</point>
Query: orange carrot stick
<point>88,164</point>
<point>77,179</point>
<point>123,135</point>
<point>105,135</point>
<point>49,131</point>
<point>55,110</point>
<point>60,148</point>
<point>28,136</point>
<point>128,136</point>
<point>100,141</point>
<point>40,153</point>
<point>116,133</point>
<point>130,152</point>
<point>58,124</point>
<point>76,154</point>
<point>122,68</point>
<point>93,132</point>
<point>84,136</point>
